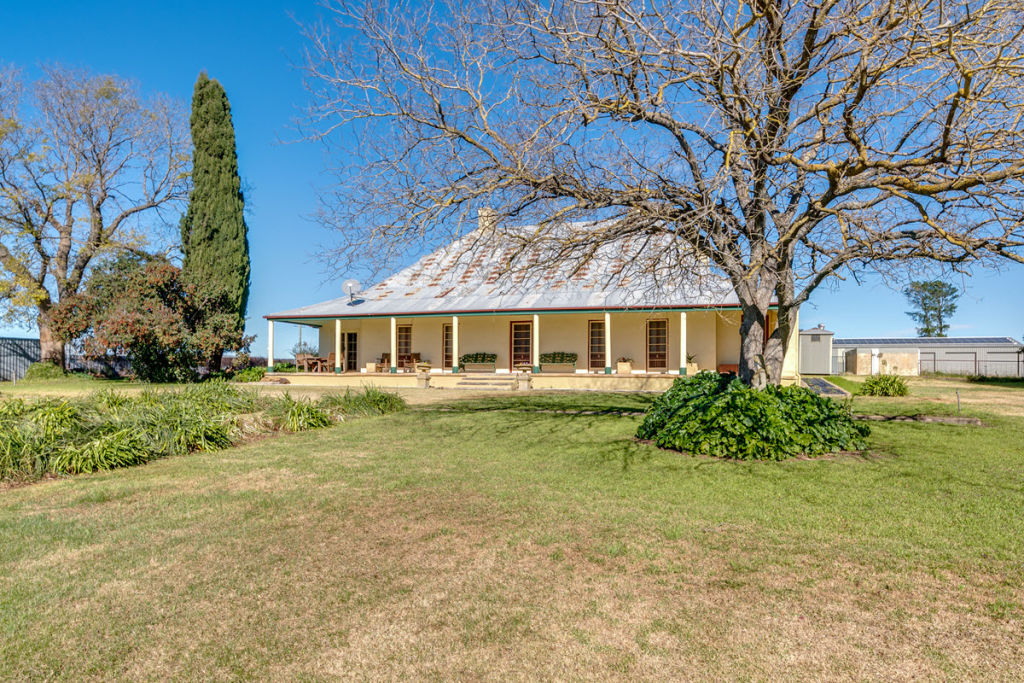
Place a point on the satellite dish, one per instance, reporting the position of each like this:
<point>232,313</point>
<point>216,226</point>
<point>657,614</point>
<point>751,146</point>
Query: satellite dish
<point>350,287</point>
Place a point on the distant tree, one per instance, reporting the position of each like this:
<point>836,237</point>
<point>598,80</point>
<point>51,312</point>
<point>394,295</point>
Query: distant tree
<point>304,347</point>
<point>84,159</point>
<point>214,236</point>
<point>142,308</point>
<point>934,303</point>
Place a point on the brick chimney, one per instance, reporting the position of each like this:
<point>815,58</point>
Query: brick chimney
<point>486,219</point>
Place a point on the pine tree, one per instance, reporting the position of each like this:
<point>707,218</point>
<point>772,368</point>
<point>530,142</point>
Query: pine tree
<point>935,304</point>
<point>214,237</point>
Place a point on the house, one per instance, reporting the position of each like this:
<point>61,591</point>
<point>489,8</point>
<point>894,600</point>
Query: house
<point>465,303</point>
<point>991,356</point>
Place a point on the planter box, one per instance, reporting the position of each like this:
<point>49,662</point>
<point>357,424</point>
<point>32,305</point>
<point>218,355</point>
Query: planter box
<point>558,367</point>
<point>477,367</point>
<point>623,368</point>
<point>691,369</point>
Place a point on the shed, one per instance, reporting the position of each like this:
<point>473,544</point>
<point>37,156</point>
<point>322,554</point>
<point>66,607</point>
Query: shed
<point>816,351</point>
<point>989,356</point>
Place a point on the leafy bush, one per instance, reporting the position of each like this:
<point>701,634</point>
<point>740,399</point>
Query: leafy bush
<point>254,374</point>
<point>884,385</point>
<point>296,414</point>
<point>284,367</point>
<point>369,401</point>
<point>478,357</point>
<point>711,414</point>
<point>119,448</point>
<point>560,357</point>
<point>44,371</point>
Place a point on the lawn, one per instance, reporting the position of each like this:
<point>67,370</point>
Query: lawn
<point>529,536</point>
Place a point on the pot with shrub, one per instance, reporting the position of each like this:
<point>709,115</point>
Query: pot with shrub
<point>624,365</point>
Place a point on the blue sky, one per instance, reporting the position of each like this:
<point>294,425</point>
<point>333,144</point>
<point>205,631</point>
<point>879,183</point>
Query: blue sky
<point>250,47</point>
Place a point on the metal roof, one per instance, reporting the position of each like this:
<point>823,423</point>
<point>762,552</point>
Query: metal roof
<point>926,341</point>
<point>478,274</point>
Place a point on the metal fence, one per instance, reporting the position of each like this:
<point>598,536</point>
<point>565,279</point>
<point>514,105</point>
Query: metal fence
<point>838,363</point>
<point>977,367</point>
<point>16,354</point>
<point>941,366</point>
<point>108,366</point>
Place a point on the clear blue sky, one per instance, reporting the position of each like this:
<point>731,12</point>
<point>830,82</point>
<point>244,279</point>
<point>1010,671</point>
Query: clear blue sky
<point>250,48</point>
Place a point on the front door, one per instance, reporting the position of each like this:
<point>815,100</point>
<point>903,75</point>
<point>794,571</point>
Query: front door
<point>351,347</point>
<point>595,345</point>
<point>521,343</point>
<point>446,346</point>
<point>657,346</point>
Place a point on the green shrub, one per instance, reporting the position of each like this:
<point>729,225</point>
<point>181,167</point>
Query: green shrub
<point>297,415</point>
<point>284,367</point>
<point>369,401</point>
<point>44,371</point>
<point>710,414</point>
<point>478,357</point>
<point>559,357</point>
<point>251,374</point>
<point>884,385</point>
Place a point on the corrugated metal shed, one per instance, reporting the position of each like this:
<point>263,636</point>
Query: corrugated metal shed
<point>816,351</point>
<point>992,356</point>
<point>472,275</point>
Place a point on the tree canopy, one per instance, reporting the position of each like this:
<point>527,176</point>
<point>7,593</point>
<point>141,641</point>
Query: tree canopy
<point>783,142</point>
<point>87,167</point>
<point>934,303</point>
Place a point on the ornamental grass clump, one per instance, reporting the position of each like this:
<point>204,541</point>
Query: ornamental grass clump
<point>884,385</point>
<point>369,401</point>
<point>712,415</point>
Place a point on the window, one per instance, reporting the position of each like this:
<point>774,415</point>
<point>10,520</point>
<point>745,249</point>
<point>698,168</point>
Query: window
<point>815,337</point>
<point>596,345</point>
<point>404,333</point>
<point>446,345</point>
<point>657,345</point>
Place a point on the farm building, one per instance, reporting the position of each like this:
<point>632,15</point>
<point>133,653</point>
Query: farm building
<point>816,351</point>
<point>991,356</point>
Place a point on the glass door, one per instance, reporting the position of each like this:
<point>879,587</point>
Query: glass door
<point>657,345</point>
<point>521,342</point>
<point>595,345</point>
<point>351,347</point>
<point>446,346</point>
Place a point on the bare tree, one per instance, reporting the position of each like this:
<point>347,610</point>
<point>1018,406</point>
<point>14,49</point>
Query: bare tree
<point>783,142</point>
<point>83,161</point>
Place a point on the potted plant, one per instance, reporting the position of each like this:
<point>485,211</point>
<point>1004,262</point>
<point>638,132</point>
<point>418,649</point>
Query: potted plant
<point>691,364</point>
<point>423,366</point>
<point>624,365</point>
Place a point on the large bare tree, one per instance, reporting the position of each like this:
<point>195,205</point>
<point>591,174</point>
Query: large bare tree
<point>87,167</point>
<point>783,142</point>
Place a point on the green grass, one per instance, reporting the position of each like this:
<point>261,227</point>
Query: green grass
<point>509,542</point>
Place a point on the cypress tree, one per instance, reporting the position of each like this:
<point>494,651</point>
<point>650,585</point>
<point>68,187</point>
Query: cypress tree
<point>214,237</point>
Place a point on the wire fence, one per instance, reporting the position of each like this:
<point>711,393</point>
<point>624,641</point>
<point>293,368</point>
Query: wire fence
<point>950,366</point>
<point>16,354</point>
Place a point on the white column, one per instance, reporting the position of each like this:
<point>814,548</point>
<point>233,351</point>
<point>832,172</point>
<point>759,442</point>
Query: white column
<point>270,344</point>
<point>535,344</point>
<point>682,343</point>
<point>394,345</point>
<point>455,343</point>
<point>337,346</point>
<point>607,343</point>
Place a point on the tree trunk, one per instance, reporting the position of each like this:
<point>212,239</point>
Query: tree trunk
<point>213,364</point>
<point>762,353</point>
<point>753,326</point>
<point>51,348</point>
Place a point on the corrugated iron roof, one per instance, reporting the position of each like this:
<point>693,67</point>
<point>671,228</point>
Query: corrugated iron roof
<point>926,341</point>
<point>465,277</point>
